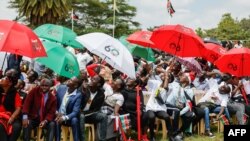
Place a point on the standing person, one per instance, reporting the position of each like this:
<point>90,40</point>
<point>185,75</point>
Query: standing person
<point>83,58</point>
<point>68,107</point>
<point>10,107</point>
<point>92,101</point>
<point>39,110</point>
<point>238,44</point>
<point>13,62</point>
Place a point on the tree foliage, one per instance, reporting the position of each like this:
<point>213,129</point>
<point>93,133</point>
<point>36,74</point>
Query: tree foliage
<point>93,15</point>
<point>38,12</point>
<point>229,29</point>
<point>97,16</point>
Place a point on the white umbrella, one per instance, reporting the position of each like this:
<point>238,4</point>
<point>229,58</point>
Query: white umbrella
<point>109,49</point>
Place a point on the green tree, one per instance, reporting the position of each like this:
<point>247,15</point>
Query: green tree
<point>97,16</point>
<point>229,29</point>
<point>200,32</point>
<point>38,12</point>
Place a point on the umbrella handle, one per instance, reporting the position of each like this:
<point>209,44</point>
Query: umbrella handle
<point>4,61</point>
<point>138,112</point>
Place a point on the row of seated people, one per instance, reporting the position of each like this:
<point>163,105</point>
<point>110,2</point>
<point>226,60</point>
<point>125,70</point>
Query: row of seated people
<point>79,102</point>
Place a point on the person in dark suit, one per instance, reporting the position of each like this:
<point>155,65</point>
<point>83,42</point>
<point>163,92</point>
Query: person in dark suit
<point>68,107</point>
<point>92,100</point>
<point>39,110</point>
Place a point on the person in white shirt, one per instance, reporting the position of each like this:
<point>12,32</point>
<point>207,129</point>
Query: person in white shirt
<point>155,107</point>
<point>83,58</point>
<point>238,44</point>
<point>219,96</point>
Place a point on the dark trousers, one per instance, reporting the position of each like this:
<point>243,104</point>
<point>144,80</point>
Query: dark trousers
<point>16,130</point>
<point>50,127</point>
<point>100,119</point>
<point>162,115</point>
<point>74,124</point>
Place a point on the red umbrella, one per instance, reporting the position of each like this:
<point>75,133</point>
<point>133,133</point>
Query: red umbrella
<point>19,39</point>
<point>236,62</point>
<point>212,52</point>
<point>141,38</point>
<point>178,40</point>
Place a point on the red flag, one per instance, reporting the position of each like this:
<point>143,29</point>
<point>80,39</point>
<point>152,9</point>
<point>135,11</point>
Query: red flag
<point>74,16</point>
<point>170,8</point>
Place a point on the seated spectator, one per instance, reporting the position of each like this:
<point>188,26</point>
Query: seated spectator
<point>219,96</point>
<point>68,107</point>
<point>10,107</point>
<point>39,110</point>
<point>129,93</point>
<point>92,100</point>
<point>112,105</point>
<point>30,82</point>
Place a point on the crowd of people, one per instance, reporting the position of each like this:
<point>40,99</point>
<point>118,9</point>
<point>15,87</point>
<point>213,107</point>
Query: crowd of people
<point>34,96</point>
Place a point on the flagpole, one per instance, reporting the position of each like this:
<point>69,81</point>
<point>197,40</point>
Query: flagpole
<point>72,20</point>
<point>168,11</point>
<point>114,8</point>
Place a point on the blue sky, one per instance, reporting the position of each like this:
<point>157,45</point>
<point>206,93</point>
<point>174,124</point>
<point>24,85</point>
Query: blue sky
<point>192,13</point>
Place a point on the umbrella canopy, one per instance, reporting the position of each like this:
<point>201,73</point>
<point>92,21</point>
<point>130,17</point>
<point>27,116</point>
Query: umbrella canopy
<point>141,38</point>
<point>178,40</point>
<point>136,50</point>
<point>190,63</point>
<point>212,52</point>
<point>58,33</point>
<point>19,39</point>
<point>60,60</point>
<point>236,62</point>
<point>111,50</point>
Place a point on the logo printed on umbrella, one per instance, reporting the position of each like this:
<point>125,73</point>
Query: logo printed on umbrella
<point>35,45</point>
<point>186,30</point>
<point>53,32</point>
<point>1,35</point>
<point>174,47</point>
<point>146,36</point>
<point>69,68</point>
<point>232,67</point>
<point>112,50</point>
<point>213,57</point>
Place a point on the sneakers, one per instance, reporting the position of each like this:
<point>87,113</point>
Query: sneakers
<point>144,138</point>
<point>209,134</point>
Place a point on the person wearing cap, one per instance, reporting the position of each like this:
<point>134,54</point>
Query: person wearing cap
<point>10,107</point>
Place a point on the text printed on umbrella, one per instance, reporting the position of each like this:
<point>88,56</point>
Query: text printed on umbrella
<point>175,47</point>
<point>232,67</point>
<point>69,68</point>
<point>213,57</point>
<point>1,35</point>
<point>35,45</point>
<point>112,50</point>
<point>53,32</point>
